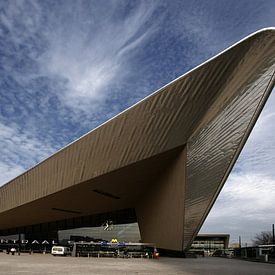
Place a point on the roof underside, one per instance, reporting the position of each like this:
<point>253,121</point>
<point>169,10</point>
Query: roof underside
<point>211,110</point>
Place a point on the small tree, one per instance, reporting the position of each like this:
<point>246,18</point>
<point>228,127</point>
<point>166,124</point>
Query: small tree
<point>265,237</point>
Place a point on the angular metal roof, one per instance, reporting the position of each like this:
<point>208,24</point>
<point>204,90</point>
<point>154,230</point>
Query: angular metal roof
<point>210,111</point>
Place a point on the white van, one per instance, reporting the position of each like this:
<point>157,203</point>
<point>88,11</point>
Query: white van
<point>61,250</point>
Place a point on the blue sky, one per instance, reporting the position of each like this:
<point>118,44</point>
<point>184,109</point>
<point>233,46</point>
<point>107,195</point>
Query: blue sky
<point>68,66</point>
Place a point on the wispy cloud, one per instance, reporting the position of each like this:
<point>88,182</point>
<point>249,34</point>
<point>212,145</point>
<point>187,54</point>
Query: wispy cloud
<point>92,55</point>
<point>244,207</point>
<point>85,47</point>
<point>8,172</point>
<point>19,150</point>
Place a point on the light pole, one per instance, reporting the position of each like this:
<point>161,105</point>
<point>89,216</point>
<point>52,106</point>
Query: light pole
<point>273,238</point>
<point>240,242</point>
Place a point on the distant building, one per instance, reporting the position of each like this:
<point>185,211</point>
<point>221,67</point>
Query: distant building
<point>210,242</point>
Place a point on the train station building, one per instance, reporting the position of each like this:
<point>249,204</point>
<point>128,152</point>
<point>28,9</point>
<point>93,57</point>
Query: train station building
<point>160,163</point>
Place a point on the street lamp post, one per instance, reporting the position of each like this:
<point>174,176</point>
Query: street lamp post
<point>240,242</point>
<point>273,238</point>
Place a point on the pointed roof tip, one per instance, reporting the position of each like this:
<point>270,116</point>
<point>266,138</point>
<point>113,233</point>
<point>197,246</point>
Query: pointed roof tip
<point>266,29</point>
<point>260,31</point>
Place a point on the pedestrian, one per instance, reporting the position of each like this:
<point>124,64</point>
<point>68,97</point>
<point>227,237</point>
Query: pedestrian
<point>13,250</point>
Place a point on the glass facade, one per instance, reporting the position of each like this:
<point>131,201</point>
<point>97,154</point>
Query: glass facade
<point>122,232</point>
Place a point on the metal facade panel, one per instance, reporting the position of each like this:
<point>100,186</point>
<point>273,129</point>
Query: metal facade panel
<point>160,211</point>
<point>215,145</point>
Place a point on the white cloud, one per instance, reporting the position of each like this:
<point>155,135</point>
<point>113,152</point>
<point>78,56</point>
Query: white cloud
<point>17,148</point>
<point>92,57</point>
<point>247,195</point>
<point>85,49</point>
<point>245,207</point>
<point>8,172</point>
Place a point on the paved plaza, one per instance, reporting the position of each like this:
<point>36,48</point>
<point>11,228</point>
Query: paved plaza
<point>47,264</point>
